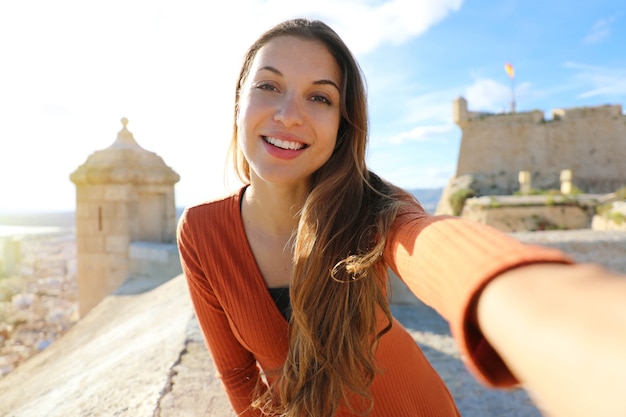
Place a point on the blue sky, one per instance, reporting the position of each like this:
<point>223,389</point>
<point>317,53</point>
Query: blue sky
<point>72,69</point>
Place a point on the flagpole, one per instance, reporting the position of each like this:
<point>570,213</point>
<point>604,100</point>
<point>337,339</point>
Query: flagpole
<point>512,94</point>
<point>511,73</point>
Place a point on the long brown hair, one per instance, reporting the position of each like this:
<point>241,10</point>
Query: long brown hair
<point>338,297</point>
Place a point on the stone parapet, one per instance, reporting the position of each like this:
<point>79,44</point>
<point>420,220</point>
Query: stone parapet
<point>587,140</point>
<point>150,265</point>
<point>532,213</point>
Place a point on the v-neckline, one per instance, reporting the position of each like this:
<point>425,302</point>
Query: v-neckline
<point>259,280</point>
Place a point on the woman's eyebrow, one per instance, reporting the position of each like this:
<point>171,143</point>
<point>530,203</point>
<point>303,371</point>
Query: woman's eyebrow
<point>318,82</point>
<point>271,69</point>
<point>327,82</point>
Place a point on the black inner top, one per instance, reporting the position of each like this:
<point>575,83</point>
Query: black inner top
<point>282,300</point>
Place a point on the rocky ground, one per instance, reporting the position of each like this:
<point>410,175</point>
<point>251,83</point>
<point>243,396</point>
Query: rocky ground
<point>38,300</point>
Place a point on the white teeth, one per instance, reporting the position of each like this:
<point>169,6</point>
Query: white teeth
<point>284,144</point>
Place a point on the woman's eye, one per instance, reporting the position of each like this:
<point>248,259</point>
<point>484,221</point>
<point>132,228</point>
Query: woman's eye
<point>266,87</point>
<point>321,99</point>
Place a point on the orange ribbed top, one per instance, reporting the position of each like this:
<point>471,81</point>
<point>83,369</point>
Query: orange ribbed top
<point>444,260</point>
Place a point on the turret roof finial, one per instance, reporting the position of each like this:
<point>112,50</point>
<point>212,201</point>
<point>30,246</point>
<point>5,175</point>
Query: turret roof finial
<point>125,138</point>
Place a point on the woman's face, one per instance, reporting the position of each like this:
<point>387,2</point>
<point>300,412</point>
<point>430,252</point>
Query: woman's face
<point>289,110</point>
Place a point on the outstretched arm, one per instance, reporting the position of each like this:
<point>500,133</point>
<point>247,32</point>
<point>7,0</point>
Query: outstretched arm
<point>561,330</point>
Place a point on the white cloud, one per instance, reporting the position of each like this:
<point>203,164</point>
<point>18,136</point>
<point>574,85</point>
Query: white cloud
<point>421,134</point>
<point>488,95</point>
<point>366,25</point>
<point>492,96</point>
<point>77,67</point>
<point>599,81</point>
<point>600,30</point>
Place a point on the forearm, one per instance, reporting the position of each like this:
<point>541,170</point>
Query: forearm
<point>562,331</point>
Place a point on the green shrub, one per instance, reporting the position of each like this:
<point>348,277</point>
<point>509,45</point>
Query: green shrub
<point>576,190</point>
<point>494,203</point>
<point>620,194</point>
<point>617,217</point>
<point>603,209</point>
<point>552,191</point>
<point>543,224</point>
<point>457,199</point>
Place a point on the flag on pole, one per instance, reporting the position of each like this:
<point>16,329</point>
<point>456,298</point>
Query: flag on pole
<point>509,70</point>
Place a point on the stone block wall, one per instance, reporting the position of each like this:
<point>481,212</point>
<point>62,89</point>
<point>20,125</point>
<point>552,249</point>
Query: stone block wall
<point>590,141</point>
<point>150,264</point>
<point>532,213</point>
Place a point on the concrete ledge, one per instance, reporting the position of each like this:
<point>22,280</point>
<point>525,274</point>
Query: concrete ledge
<point>150,265</point>
<point>116,361</point>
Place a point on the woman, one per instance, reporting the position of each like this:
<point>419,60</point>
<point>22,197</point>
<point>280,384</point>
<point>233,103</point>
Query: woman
<point>288,275</point>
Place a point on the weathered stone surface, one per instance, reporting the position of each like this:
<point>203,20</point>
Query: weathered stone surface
<point>195,389</point>
<point>115,361</point>
<point>532,213</point>
<point>589,141</point>
<point>606,248</point>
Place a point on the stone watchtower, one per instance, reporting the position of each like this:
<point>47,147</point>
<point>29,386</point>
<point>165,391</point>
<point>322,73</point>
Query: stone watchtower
<point>124,193</point>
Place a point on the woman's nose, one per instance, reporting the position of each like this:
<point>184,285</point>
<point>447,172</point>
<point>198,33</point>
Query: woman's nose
<point>288,111</point>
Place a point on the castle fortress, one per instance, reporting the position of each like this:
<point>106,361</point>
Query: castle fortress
<point>589,141</point>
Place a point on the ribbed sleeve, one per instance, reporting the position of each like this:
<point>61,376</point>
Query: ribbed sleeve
<point>446,261</point>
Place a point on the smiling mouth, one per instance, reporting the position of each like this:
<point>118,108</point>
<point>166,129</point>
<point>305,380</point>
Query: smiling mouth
<point>284,144</point>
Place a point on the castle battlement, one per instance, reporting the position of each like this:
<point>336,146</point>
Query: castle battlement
<point>589,141</point>
<point>608,111</point>
<point>462,115</point>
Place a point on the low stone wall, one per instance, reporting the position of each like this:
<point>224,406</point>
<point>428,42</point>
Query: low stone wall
<point>150,264</point>
<point>532,213</point>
